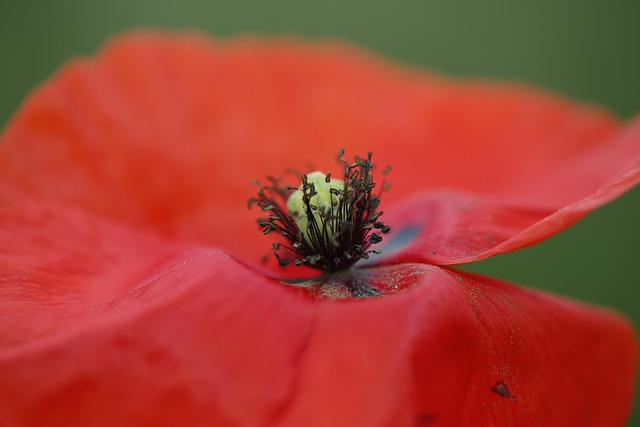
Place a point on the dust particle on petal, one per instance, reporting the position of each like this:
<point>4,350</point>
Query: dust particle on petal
<point>424,419</point>
<point>501,389</point>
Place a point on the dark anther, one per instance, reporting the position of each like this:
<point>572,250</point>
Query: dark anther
<point>375,238</point>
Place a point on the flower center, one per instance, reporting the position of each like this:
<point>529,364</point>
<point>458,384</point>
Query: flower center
<point>328,223</point>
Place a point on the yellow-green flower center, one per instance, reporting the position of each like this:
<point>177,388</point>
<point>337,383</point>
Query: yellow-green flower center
<point>322,200</point>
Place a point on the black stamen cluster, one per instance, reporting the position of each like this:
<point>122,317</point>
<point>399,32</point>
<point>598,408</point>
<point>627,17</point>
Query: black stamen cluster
<point>344,232</point>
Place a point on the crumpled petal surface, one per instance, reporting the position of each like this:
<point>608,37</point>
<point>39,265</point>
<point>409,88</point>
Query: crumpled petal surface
<point>141,330</point>
<point>167,132</point>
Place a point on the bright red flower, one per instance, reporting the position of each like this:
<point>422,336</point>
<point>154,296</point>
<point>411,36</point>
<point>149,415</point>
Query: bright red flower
<point>130,292</point>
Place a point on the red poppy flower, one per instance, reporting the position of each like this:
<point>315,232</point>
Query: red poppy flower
<point>131,288</point>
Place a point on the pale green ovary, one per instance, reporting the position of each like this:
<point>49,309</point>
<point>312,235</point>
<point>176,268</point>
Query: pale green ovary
<point>323,200</point>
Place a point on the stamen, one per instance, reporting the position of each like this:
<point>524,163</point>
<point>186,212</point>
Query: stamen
<point>327,223</point>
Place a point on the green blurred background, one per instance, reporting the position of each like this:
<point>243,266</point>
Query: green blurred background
<point>588,50</point>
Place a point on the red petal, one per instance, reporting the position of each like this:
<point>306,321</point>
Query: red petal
<point>100,328</point>
<point>61,266</point>
<point>167,131</point>
<point>445,228</point>
<point>463,350</point>
<point>121,335</point>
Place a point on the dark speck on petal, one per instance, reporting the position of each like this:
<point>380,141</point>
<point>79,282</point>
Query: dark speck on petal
<point>501,389</point>
<point>425,419</point>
